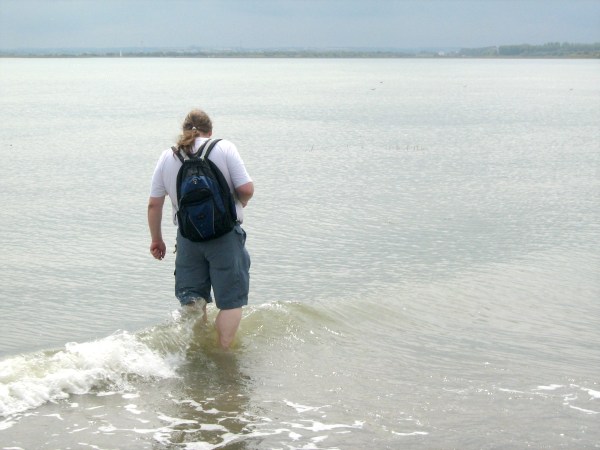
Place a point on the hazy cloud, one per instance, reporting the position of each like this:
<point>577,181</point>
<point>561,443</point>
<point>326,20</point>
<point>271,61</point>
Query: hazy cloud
<point>295,23</point>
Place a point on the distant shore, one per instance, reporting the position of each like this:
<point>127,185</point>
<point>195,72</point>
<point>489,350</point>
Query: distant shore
<point>548,50</point>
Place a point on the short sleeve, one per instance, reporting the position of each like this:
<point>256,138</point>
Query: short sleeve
<point>237,169</point>
<point>157,188</point>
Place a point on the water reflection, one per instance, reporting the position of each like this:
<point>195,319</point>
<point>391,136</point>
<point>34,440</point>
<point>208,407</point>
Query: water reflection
<point>210,407</point>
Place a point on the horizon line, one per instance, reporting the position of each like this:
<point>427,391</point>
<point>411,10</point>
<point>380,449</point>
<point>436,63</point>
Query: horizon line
<point>287,48</point>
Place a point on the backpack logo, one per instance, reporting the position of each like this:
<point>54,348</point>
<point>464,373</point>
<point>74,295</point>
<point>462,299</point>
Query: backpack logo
<point>206,205</point>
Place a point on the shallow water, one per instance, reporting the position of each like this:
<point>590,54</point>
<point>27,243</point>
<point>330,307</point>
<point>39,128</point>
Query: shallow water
<point>424,239</point>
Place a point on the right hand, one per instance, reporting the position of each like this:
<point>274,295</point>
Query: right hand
<point>158,249</point>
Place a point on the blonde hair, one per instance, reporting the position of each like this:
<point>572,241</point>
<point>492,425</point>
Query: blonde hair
<point>196,123</point>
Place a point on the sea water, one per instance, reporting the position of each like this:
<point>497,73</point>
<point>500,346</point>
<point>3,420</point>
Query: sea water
<point>424,241</point>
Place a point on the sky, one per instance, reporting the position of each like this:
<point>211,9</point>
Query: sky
<point>320,24</point>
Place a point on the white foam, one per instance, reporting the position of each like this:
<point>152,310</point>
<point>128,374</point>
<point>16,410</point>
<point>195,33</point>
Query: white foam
<point>294,436</point>
<point>551,387</point>
<point>414,433</point>
<point>175,421</point>
<point>511,391</point>
<point>5,425</point>
<point>318,426</point>
<point>128,396</point>
<point>318,438</point>
<point>28,381</point>
<point>133,409</point>
<point>587,411</point>
<point>212,427</point>
<point>592,393</point>
<point>304,408</point>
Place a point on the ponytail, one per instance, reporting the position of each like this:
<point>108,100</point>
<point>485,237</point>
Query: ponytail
<point>196,123</point>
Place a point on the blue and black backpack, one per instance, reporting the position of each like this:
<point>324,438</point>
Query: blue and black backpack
<point>206,205</point>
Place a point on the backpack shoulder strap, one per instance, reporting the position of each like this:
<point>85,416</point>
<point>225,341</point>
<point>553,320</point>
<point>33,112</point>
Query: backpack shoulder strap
<point>183,156</point>
<point>209,148</point>
<point>180,154</point>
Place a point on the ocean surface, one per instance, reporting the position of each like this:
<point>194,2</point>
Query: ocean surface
<point>425,242</point>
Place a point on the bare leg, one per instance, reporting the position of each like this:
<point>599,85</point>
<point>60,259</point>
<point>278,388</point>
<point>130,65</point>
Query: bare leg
<point>227,323</point>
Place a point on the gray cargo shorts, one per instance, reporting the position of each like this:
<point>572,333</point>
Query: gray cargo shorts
<point>222,263</point>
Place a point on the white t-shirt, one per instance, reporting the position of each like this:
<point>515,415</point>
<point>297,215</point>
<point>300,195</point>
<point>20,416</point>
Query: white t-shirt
<point>224,155</point>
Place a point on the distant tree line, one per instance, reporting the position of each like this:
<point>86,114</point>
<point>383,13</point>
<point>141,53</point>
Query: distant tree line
<point>548,50</point>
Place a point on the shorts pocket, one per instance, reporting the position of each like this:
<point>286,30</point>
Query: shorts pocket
<point>240,231</point>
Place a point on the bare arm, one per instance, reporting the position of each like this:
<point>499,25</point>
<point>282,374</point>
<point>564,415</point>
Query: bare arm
<point>155,208</point>
<point>245,192</point>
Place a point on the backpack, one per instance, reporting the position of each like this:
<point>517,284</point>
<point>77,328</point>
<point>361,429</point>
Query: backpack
<point>206,205</point>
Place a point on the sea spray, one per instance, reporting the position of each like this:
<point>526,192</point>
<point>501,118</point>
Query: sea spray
<point>112,363</point>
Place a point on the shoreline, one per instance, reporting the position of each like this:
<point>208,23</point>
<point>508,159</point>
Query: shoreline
<point>290,56</point>
<point>551,50</point>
